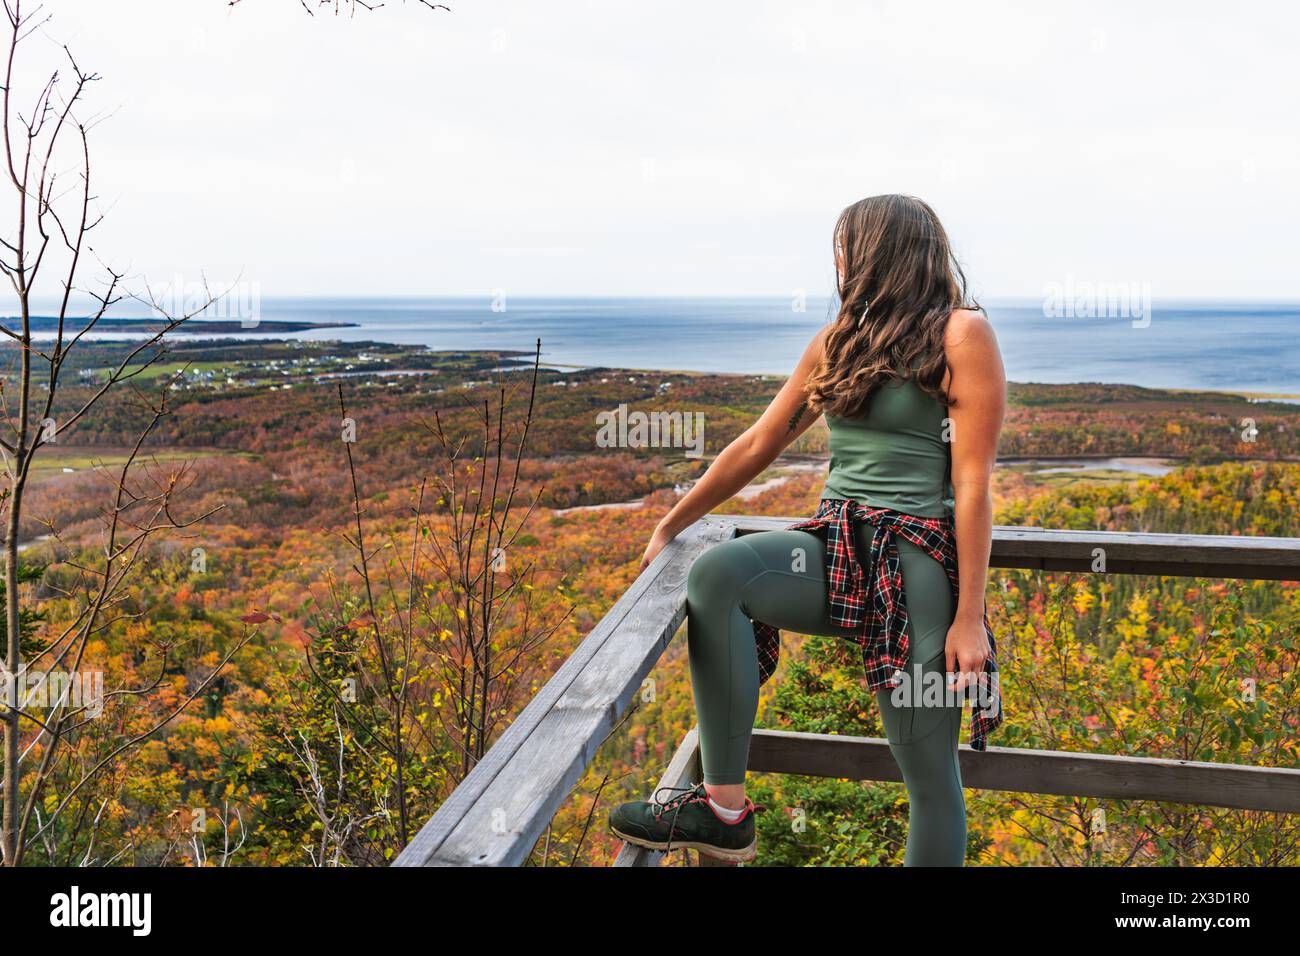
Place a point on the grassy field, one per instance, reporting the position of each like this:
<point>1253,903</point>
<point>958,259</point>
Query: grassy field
<point>53,460</point>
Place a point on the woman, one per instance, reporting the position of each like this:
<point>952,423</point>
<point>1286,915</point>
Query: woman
<point>910,380</point>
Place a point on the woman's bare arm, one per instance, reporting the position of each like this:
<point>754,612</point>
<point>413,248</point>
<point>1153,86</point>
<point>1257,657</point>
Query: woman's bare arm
<point>741,461</point>
<point>977,388</point>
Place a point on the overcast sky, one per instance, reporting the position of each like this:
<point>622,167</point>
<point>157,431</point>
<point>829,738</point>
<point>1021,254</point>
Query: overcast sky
<point>691,148</point>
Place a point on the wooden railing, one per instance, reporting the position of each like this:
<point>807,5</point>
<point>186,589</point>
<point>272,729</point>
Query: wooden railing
<point>502,808</point>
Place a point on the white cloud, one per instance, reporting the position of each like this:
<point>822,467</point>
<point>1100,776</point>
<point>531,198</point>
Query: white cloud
<point>690,148</point>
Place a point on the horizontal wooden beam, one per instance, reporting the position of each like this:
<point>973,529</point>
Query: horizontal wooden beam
<point>1185,555</point>
<point>1107,776</point>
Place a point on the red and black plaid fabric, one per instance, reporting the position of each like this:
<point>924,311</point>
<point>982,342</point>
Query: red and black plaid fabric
<point>869,597</point>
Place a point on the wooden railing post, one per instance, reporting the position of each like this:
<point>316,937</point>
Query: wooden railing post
<point>683,769</point>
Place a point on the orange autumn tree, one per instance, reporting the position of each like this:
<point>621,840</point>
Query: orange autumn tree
<point>64,744</point>
<point>419,656</point>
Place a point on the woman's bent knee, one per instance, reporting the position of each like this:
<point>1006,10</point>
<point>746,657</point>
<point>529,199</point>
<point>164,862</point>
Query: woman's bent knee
<point>720,574</point>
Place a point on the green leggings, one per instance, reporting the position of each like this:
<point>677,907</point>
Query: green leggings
<point>757,576</point>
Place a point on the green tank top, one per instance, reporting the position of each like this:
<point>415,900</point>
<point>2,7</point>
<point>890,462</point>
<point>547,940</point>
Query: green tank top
<point>895,456</point>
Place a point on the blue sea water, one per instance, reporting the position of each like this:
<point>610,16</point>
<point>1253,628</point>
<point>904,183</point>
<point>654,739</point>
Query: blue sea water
<point>1252,346</point>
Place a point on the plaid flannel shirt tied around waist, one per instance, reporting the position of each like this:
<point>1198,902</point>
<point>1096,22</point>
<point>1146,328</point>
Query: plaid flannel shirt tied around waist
<point>869,597</point>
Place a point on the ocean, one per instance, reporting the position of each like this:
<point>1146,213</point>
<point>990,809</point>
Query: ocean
<point>1239,346</point>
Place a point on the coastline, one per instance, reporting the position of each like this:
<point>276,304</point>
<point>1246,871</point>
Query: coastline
<point>1179,351</point>
<point>281,332</point>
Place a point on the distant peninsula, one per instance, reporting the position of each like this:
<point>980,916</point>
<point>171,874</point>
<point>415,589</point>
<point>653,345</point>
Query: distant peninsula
<point>50,323</point>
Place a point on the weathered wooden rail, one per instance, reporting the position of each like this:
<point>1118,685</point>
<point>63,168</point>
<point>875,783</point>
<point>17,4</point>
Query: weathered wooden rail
<point>1010,769</point>
<point>497,814</point>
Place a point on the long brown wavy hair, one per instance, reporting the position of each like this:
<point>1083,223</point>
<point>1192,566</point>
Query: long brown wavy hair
<point>898,284</point>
